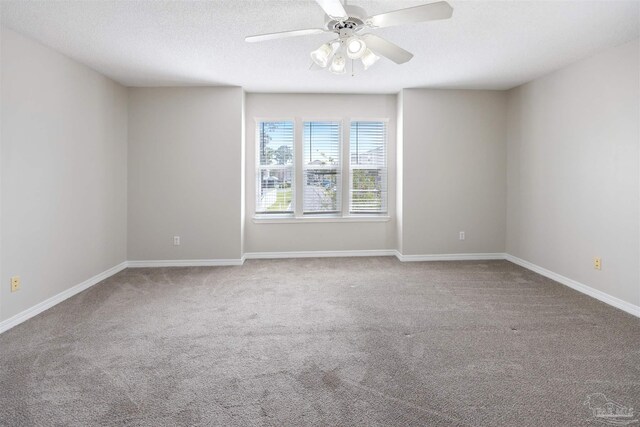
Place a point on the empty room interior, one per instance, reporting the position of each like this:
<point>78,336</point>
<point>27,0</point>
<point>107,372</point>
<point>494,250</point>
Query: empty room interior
<point>319,213</point>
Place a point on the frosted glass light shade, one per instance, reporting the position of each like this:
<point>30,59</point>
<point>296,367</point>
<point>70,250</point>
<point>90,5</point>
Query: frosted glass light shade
<point>338,65</point>
<point>355,47</point>
<point>322,54</point>
<point>369,58</point>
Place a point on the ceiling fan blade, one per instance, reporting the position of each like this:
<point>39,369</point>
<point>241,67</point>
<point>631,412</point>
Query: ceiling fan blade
<point>283,34</point>
<point>333,8</point>
<point>412,15</point>
<point>387,49</point>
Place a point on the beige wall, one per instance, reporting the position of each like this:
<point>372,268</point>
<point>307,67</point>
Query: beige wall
<point>261,237</point>
<point>573,181</point>
<point>64,155</point>
<point>453,171</point>
<point>185,160</point>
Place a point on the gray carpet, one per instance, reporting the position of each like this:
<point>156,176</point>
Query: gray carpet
<point>351,341</point>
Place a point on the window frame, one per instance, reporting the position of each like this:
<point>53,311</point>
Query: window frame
<point>343,215</point>
<point>385,194</point>
<point>258,167</point>
<point>340,169</point>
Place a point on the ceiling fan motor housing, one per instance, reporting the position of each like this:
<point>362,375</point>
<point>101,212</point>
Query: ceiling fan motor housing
<point>346,27</point>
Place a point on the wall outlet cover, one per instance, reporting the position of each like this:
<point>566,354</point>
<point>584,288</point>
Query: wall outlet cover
<point>15,283</point>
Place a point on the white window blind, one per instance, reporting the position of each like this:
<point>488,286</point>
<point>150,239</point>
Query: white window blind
<point>275,174</point>
<point>368,167</point>
<point>321,160</point>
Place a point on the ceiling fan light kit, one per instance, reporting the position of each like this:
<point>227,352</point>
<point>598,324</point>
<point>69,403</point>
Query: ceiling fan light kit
<point>348,23</point>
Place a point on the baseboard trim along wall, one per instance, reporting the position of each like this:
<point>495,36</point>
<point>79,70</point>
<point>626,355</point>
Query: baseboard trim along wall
<point>319,254</point>
<point>57,299</point>
<point>451,257</point>
<point>378,252</point>
<point>580,287</point>
<point>186,263</point>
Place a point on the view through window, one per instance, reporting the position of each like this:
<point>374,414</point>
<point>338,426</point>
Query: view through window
<point>319,155</point>
<point>368,167</point>
<point>321,160</point>
<point>274,186</point>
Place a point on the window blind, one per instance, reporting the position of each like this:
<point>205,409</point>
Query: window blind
<point>368,167</point>
<point>275,174</point>
<point>321,163</point>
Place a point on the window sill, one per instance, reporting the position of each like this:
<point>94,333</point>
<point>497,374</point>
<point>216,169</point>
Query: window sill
<point>288,219</point>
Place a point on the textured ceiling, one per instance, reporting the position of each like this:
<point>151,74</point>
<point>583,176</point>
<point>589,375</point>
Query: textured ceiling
<point>487,44</point>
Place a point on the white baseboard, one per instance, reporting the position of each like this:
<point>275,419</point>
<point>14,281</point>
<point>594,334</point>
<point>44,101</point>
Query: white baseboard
<point>319,254</point>
<point>56,299</point>
<point>587,290</point>
<point>185,263</point>
<point>451,257</point>
<point>377,252</point>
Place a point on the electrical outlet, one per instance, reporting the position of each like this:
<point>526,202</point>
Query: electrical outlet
<point>597,263</point>
<point>176,240</point>
<point>15,283</point>
<point>462,235</point>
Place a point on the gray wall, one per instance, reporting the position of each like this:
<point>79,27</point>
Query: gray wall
<point>399,171</point>
<point>305,236</point>
<point>555,181</point>
<point>453,170</point>
<point>64,155</point>
<point>573,181</point>
<point>185,165</point>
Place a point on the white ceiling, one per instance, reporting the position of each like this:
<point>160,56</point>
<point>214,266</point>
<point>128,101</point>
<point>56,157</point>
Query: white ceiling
<point>487,44</point>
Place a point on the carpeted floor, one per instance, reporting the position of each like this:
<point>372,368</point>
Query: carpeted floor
<point>339,342</point>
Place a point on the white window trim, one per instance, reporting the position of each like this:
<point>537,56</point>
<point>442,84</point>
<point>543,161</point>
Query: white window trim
<point>386,165</point>
<point>340,122</point>
<point>256,169</point>
<point>298,145</point>
<point>292,219</point>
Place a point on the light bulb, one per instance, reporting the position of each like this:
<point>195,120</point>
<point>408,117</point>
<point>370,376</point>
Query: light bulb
<point>369,58</point>
<point>338,65</point>
<point>355,47</point>
<point>321,55</point>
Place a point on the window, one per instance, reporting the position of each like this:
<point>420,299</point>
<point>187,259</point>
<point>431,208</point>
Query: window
<point>275,174</point>
<point>331,170</point>
<point>368,167</point>
<point>321,165</point>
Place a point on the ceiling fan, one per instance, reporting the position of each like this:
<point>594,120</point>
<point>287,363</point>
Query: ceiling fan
<point>348,22</point>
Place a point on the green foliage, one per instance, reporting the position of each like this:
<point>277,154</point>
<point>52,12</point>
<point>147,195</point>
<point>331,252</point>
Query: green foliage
<point>366,189</point>
<point>283,155</point>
